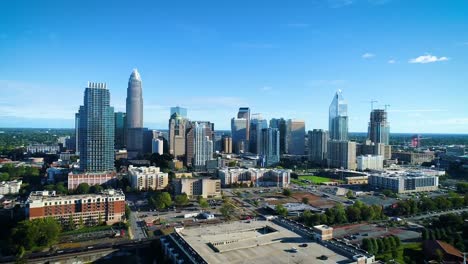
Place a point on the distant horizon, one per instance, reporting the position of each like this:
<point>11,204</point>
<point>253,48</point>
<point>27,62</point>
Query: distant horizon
<point>166,129</point>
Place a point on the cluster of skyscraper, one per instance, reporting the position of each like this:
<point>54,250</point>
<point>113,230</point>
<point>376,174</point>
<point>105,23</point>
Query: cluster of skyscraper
<point>251,134</point>
<point>99,131</point>
<point>334,148</point>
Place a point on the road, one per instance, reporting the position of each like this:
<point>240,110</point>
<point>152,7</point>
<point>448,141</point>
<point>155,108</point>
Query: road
<point>136,226</point>
<point>429,215</point>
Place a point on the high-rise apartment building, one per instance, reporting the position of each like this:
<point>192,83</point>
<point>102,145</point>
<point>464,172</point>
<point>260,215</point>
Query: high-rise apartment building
<point>177,135</point>
<point>227,144</point>
<point>338,118</point>
<point>120,129</point>
<point>199,134</point>
<point>257,124</point>
<point>203,146</point>
<point>282,125</point>
<point>270,146</point>
<point>342,154</point>
<point>318,145</point>
<point>296,140</point>
<point>96,130</point>
<point>157,146</point>
<point>379,129</point>
<point>181,111</point>
<point>134,115</point>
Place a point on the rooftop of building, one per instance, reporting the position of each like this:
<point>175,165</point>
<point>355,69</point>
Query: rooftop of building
<point>255,242</point>
<point>402,173</point>
<point>149,169</point>
<point>236,169</point>
<point>53,196</point>
<point>323,227</point>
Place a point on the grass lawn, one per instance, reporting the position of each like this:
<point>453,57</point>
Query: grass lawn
<point>317,179</point>
<point>86,230</point>
<point>412,250</point>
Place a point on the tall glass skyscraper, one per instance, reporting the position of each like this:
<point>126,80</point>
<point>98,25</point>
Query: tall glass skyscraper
<point>282,125</point>
<point>257,123</point>
<point>296,140</point>
<point>120,129</point>
<point>134,115</point>
<point>96,130</point>
<point>379,129</point>
<point>182,112</point>
<point>239,135</point>
<point>338,118</point>
<point>270,146</point>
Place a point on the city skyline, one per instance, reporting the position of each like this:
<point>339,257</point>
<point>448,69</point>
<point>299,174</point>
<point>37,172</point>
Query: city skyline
<point>256,61</point>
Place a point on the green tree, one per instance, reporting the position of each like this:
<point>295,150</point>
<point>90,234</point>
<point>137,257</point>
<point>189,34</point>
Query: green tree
<point>350,194</point>
<point>161,200</point>
<point>40,233</point>
<point>95,189</point>
<point>71,223</point>
<point>227,209</point>
<point>353,213</point>
<point>381,245</point>
<point>83,188</point>
<point>368,245</point>
<point>287,192</point>
<point>425,234</point>
<point>128,212</point>
<point>181,199</point>
<point>203,202</point>
<point>60,188</point>
<point>4,176</point>
<point>305,200</point>
<point>281,210</point>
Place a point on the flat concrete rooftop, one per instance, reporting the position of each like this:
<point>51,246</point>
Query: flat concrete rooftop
<point>255,242</point>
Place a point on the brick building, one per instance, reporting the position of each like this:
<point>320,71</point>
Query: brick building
<point>107,206</point>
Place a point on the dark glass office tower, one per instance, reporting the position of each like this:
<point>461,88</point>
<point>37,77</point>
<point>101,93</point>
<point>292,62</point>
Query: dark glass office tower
<point>120,129</point>
<point>134,115</point>
<point>338,118</point>
<point>96,130</point>
<point>379,129</point>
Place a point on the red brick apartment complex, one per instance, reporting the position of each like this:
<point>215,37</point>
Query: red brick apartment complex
<point>107,206</point>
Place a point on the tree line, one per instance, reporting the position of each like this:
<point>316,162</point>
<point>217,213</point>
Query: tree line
<point>376,246</point>
<point>340,215</point>
<point>411,207</point>
<point>449,228</point>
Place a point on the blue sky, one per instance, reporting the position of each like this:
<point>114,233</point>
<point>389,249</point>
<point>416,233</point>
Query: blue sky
<point>280,58</point>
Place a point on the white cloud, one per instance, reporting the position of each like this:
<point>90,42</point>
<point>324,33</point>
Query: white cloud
<point>392,61</point>
<point>428,58</point>
<point>266,88</point>
<point>368,55</point>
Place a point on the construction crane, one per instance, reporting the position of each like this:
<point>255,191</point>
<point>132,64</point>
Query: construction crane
<point>372,101</point>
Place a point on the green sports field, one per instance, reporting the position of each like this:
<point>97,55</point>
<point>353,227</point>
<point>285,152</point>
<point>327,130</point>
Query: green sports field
<point>313,179</point>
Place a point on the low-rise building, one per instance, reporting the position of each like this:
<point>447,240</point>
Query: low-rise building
<point>75,179</point>
<point>413,158</point>
<point>194,187</point>
<point>357,180</point>
<point>404,181</point>
<point>146,178</point>
<point>10,187</point>
<point>255,177</point>
<point>43,148</point>
<point>89,209</point>
<point>323,232</point>
<point>370,162</point>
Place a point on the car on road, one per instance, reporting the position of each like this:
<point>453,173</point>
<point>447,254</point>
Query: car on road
<point>303,245</point>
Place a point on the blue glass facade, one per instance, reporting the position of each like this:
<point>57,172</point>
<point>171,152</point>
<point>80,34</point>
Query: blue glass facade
<point>96,130</point>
